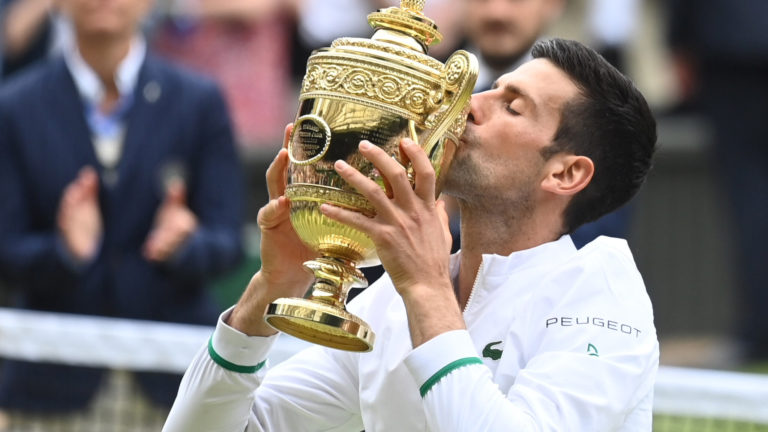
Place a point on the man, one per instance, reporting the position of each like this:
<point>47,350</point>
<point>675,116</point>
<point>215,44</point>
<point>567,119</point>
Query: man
<point>121,194</point>
<point>723,75</point>
<point>501,33</point>
<point>518,331</point>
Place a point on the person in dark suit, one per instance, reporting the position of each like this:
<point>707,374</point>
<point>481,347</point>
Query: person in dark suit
<point>121,194</point>
<point>720,53</point>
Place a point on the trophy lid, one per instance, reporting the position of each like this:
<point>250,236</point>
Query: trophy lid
<point>407,19</point>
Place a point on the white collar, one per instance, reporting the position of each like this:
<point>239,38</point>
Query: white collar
<point>88,83</point>
<point>498,265</point>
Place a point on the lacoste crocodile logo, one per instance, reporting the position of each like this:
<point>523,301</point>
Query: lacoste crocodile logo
<point>492,353</point>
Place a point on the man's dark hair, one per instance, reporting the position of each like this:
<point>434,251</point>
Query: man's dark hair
<point>610,122</point>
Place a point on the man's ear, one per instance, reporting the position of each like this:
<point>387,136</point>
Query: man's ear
<point>568,174</point>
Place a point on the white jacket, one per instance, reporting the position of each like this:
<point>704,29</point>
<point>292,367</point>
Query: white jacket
<point>557,340</point>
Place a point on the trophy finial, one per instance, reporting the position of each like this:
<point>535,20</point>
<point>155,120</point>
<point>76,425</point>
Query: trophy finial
<point>407,19</point>
<point>413,5</point>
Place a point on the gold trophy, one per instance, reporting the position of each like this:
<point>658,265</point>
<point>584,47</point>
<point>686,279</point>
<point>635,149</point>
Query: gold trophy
<point>380,89</point>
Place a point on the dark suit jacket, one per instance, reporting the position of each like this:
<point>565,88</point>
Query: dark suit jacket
<point>178,121</point>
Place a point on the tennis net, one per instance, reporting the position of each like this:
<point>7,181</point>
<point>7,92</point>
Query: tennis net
<point>685,399</point>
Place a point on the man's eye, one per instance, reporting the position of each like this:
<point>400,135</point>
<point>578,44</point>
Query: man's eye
<point>512,110</point>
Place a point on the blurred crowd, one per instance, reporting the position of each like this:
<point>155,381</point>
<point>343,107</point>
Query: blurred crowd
<point>134,136</point>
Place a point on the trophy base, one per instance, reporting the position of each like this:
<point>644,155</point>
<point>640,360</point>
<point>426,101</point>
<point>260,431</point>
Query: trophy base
<point>320,324</point>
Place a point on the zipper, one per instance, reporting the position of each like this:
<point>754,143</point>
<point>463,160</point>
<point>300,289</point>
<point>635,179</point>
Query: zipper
<point>474,286</point>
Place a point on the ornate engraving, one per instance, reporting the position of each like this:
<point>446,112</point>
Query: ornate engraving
<point>310,192</point>
<point>414,5</point>
<point>455,69</point>
<point>409,54</point>
<point>460,72</point>
<point>388,87</point>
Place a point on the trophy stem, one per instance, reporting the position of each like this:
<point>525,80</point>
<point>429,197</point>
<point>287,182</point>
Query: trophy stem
<point>333,279</point>
<point>323,318</point>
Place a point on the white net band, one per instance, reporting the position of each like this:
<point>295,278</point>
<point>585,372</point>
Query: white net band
<point>133,345</point>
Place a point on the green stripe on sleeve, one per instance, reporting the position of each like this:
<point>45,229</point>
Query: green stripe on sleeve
<point>221,361</point>
<point>450,367</point>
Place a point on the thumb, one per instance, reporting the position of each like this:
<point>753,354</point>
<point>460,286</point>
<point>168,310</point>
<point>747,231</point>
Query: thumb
<point>88,180</point>
<point>176,193</point>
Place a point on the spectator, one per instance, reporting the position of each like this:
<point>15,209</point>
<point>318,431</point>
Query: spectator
<point>720,49</point>
<point>245,46</point>
<point>611,24</point>
<point>27,27</point>
<point>121,194</point>
<point>502,32</point>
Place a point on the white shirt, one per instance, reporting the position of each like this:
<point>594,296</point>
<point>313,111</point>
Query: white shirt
<point>107,130</point>
<point>557,340</point>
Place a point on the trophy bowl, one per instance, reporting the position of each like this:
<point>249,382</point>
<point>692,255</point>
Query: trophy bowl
<point>380,89</point>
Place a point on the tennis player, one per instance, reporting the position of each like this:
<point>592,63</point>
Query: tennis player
<point>519,331</point>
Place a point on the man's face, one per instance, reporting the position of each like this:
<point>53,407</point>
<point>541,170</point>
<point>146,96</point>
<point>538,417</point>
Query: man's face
<point>105,18</point>
<point>504,30</point>
<point>499,160</point>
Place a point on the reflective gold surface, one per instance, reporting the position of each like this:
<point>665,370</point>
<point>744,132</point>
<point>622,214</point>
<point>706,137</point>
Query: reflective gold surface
<point>381,89</point>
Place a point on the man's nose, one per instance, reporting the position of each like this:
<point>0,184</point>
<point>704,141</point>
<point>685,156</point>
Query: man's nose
<point>476,104</point>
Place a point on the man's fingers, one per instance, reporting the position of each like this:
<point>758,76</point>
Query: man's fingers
<point>365,186</point>
<point>151,246</point>
<point>176,193</point>
<point>354,219</point>
<point>276,175</point>
<point>424,173</point>
<point>272,214</point>
<point>88,180</point>
<point>287,135</point>
<point>393,172</point>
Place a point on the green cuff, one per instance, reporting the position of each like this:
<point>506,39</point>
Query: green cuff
<point>228,365</point>
<point>450,367</point>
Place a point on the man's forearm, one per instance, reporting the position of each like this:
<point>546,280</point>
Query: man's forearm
<point>248,314</point>
<point>217,391</point>
<point>430,315</point>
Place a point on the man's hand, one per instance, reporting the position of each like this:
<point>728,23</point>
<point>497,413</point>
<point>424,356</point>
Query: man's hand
<point>79,217</point>
<point>411,234</point>
<point>174,223</point>
<point>282,255</point>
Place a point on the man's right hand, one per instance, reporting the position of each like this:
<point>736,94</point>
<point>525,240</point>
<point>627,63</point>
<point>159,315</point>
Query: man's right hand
<point>79,218</point>
<point>282,255</point>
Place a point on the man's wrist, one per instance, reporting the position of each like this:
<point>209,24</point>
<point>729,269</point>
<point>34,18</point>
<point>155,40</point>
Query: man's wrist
<point>235,351</point>
<point>248,314</point>
<point>431,311</point>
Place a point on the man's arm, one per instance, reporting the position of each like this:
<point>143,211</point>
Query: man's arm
<point>225,389</point>
<point>563,389</point>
